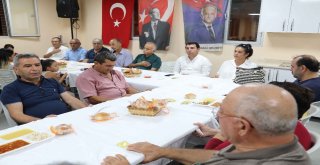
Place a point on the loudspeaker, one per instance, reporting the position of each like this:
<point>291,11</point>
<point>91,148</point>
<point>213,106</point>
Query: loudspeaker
<point>68,8</point>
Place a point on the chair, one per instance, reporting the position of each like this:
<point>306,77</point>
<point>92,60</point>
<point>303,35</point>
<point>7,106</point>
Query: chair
<point>167,66</point>
<point>315,137</point>
<point>313,110</point>
<point>10,121</point>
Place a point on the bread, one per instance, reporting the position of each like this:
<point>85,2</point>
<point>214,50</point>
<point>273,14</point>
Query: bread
<point>102,116</point>
<point>190,96</point>
<point>147,108</point>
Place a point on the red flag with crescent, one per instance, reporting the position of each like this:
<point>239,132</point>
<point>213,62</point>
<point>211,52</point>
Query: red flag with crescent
<point>117,20</point>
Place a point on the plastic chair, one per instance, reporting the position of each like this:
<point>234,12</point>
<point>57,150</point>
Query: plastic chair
<point>167,66</point>
<point>315,137</point>
<point>6,77</point>
<point>313,110</point>
<point>10,121</point>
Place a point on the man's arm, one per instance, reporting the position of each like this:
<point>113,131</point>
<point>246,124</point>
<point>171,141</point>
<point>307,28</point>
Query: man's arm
<point>130,90</point>
<point>16,113</point>
<point>186,156</point>
<point>96,99</point>
<point>49,54</point>
<point>72,101</point>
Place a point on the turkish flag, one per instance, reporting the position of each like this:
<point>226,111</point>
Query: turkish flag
<point>117,20</point>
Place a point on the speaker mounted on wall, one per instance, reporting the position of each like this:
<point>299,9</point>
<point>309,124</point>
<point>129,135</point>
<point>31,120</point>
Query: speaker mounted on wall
<point>67,8</point>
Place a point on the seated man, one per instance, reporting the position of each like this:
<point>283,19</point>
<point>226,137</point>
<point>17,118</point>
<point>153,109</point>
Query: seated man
<point>258,120</point>
<point>31,96</point>
<point>124,57</point>
<point>75,53</point>
<point>101,83</point>
<point>193,63</point>
<point>305,68</point>
<point>148,60</point>
<point>97,48</point>
<point>57,51</point>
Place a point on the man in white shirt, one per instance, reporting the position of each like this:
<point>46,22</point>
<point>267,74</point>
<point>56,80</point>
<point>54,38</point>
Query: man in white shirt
<point>57,51</point>
<point>193,63</point>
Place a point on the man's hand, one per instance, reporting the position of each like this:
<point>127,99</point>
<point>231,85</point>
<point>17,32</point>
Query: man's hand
<point>55,51</point>
<point>115,160</point>
<point>151,152</point>
<point>206,130</point>
<point>145,63</point>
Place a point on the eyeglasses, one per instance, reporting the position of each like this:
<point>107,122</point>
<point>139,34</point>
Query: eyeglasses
<point>95,43</point>
<point>220,114</point>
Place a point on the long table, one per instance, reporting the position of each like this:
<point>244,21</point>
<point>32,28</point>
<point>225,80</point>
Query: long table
<point>92,141</point>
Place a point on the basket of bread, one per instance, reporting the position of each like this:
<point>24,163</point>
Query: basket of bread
<point>131,72</point>
<point>145,107</point>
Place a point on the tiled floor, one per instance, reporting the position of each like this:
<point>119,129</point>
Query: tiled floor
<point>313,125</point>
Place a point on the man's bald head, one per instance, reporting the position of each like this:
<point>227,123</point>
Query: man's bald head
<point>271,110</point>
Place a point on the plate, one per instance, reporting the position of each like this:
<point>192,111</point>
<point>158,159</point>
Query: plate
<point>20,140</point>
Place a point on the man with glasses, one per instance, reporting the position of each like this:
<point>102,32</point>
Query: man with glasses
<point>97,48</point>
<point>101,83</point>
<point>57,51</point>
<point>258,119</point>
<point>193,63</point>
<point>76,53</point>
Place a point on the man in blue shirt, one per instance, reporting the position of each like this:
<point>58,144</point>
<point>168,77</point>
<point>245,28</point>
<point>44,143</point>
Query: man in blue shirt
<point>32,97</point>
<point>76,53</point>
<point>97,48</point>
<point>305,68</point>
<point>124,57</point>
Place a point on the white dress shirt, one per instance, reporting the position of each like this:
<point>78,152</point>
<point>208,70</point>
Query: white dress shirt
<point>199,65</point>
<point>60,55</point>
<point>228,68</point>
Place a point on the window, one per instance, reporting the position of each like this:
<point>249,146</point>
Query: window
<point>3,24</point>
<point>243,21</point>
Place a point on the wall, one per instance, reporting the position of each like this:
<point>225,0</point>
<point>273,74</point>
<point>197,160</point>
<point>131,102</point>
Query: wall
<point>276,46</point>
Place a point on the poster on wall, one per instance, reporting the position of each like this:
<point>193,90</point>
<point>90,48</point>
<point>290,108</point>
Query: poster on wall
<point>155,22</point>
<point>117,20</point>
<point>204,22</point>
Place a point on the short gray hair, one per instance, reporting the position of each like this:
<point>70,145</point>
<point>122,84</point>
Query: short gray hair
<point>152,43</point>
<point>20,56</point>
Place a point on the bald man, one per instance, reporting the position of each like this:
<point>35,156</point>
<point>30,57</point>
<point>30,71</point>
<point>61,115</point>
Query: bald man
<point>76,53</point>
<point>258,120</point>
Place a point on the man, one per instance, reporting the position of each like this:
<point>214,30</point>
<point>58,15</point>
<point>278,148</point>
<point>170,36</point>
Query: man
<point>124,57</point>
<point>97,48</point>
<point>258,119</point>
<point>101,83</point>
<point>32,97</point>
<point>148,60</point>
<point>207,32</point>
<point>76,53</point>
<point>155,31</point>
<point>193,63</point>
<point>57,51</point>
<point>305,68</point>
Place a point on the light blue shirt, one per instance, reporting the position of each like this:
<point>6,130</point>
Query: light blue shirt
<point>124,58</point>
<point>77,55</point>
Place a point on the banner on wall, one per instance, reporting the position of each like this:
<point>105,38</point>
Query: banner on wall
<point>117,20</point>
<point>155,21</point>
<point>204,22</point>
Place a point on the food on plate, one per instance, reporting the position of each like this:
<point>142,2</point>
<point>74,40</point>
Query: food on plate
<point>103,116</point>
<point>147,108</point>
<point>123,144</point>
<point>216,104</point>
<point>12,146</point>
<point>38,136</point>
<point>131,72</point>
<point>190,96</point>
<point>16,134</point>
<point>61,129</point>
<point>206,101</point>
<point>147,76</point>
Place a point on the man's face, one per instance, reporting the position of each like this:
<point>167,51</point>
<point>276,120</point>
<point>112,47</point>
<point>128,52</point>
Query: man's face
<point>148,49</point>
<point>105,67</point>
<point>115,45</point>
<point>192,50</point>
<point>209,14</point>
<point>97,45</point>
<point>74,44</point>
<point>295,69</point>
<point>56,43</point>
<point>29,69</point>
<point>155,14</point>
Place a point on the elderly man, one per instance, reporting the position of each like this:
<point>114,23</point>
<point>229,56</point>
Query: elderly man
<point>148,60</point>
<point>31,96</point>
<point>258,120</point>
<point>101,83</point>
<point>124,57</point>
<point>193,63</point>
<point>207,31</point>
<point>97,48</point>
<point>76,53</point>
<point>305,68</point>
<point>57,51</point>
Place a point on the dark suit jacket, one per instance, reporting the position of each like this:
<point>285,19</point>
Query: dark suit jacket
<point>200,34</point>
<point>162,35</point>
